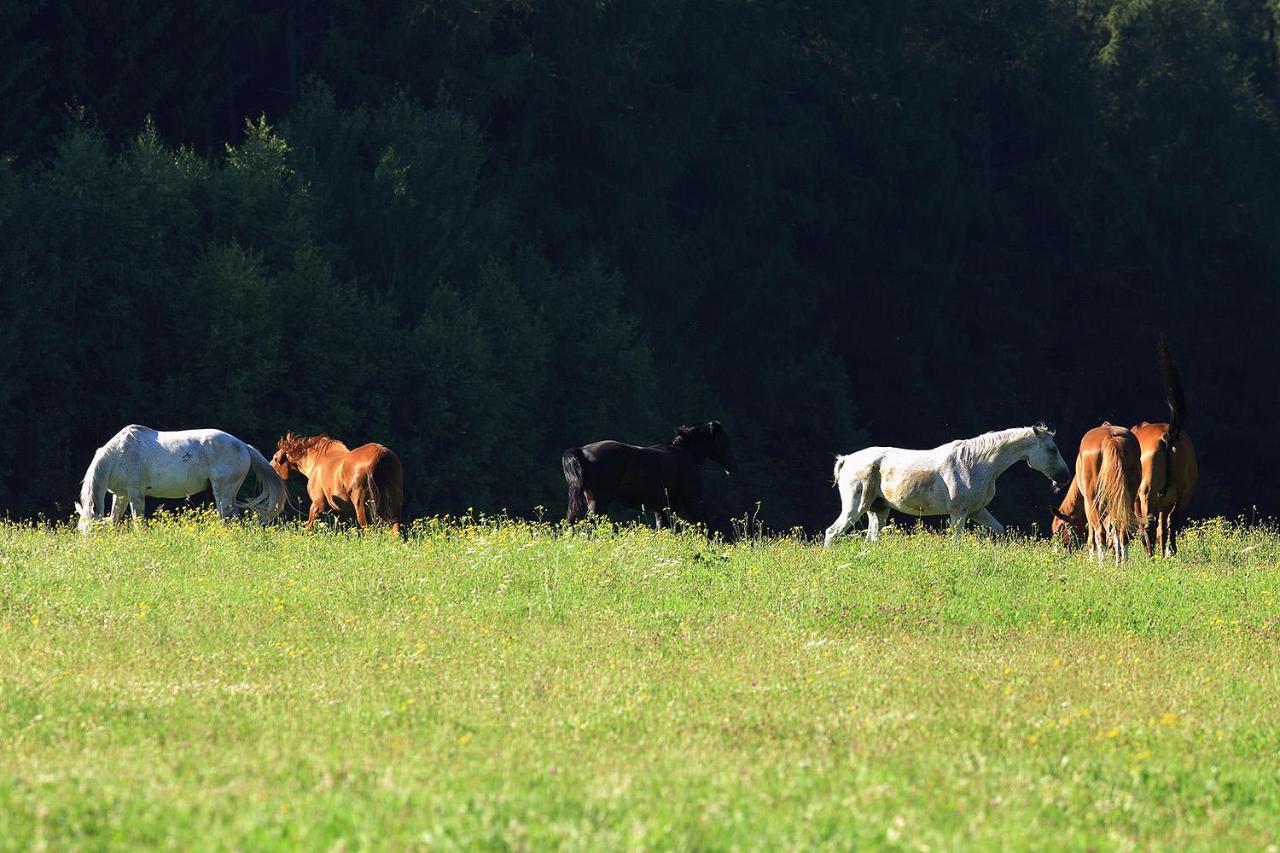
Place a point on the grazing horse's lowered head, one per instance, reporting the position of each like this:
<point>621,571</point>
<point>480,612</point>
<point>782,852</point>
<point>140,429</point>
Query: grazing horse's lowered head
<point>708,440</point>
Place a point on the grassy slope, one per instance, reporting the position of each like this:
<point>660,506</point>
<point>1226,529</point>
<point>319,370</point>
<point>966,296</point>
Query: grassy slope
<point>195,683</point>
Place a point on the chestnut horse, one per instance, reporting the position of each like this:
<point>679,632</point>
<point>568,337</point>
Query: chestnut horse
<point>661,478</point>
<point>366,480</point>
<point>1169,477</point>
<point>1099,506</point>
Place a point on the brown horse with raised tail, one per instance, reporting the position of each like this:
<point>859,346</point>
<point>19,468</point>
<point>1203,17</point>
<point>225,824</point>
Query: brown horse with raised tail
<point>1169,469</point>
<point>368,481</point>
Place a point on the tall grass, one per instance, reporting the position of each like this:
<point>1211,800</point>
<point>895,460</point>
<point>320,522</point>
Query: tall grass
<point>507,684</point>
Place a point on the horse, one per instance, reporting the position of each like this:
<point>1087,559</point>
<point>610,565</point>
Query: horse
<point>957,479</point>
<point>139,462</point>
<point>1169,469</point>
<point>1168,479</point>
<point>663,478</point>
<point>1099,506</point>
<point>367,480</point>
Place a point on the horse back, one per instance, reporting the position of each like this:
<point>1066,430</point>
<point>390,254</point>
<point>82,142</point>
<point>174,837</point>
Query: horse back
<point>652,477</point>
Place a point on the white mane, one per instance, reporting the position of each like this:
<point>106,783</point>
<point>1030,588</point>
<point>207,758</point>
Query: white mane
<point>984,447</point>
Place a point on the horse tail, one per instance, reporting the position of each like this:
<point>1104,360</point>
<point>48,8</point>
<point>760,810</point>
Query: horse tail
<point>270,502</point>
<point>1177,403</point>
<point>1173,390</point>
<point>1115,489</point>
<point>835,473</point>
<point>386,488</point>
<point>571,461</point>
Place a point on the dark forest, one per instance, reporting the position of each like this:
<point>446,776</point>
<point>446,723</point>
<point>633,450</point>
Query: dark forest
<point>482,232</point>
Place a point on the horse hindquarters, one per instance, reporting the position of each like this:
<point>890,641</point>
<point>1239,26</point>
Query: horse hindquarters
<point>1117,488</point>
<point>571,462</point>
<point>386,490</point>
<point>855,499</point>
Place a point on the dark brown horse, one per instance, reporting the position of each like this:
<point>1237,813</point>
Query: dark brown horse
<point>662,478</point>
<point>367,480</point>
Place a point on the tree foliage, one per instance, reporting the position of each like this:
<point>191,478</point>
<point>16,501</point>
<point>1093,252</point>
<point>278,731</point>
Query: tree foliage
<point>482,232</point>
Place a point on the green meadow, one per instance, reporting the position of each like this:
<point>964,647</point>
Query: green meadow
<point>195,685</point>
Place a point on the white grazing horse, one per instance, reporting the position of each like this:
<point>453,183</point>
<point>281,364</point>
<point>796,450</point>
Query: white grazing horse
<point>957,479</point>
<point>139,462</point>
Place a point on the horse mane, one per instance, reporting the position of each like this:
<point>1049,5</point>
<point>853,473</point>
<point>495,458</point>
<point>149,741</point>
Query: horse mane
<point>98,471</point>
<point>299,446</point>
<point>692,437</point>
<point>981,446</point>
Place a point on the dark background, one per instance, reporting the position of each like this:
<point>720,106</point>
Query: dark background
<point>480,232</point>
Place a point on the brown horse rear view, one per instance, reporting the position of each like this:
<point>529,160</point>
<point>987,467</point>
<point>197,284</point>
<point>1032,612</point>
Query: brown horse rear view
<point>1108,471</point>
<point>366,480</point>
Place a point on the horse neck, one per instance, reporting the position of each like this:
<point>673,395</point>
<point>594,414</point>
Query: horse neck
<point>317,455</point>
<point>93,490</point>
<point>999,450</point>
<point>697,451</point>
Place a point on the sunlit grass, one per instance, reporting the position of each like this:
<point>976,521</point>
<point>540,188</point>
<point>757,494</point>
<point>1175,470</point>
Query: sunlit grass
<point>194,684</point>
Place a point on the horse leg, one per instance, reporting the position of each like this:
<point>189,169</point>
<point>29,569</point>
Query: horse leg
<point>360,503</point>
<point>1168,547</point>
<point>661,519</point>
<point>224,497</point>
<point>958,520</point>
<point>1093,522</point>
<point>1117,541</point>
<point>987,520</point>
<point>118,507</point>
<point>1146,519</point>
<point>877,517</point>
<point>852,508</point>
<point>138,503</point>
<point>317,507</point>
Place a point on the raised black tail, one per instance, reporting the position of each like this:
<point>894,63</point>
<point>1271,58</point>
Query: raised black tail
<point>1172,390</point>
<point>571,461</point>
<point>1177,407</point>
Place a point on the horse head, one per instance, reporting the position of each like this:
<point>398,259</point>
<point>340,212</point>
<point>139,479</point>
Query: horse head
<point>87,519</point>
<point>1045,458</point>
<point>288,454</point>
<point>710,440</point>
<point>1069,531</point>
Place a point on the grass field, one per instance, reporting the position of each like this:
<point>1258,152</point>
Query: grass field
<point>195,685</point>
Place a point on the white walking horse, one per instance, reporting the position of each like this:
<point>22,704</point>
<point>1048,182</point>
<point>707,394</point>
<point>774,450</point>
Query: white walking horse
<point>957,479</point>
<point>139,462</point>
